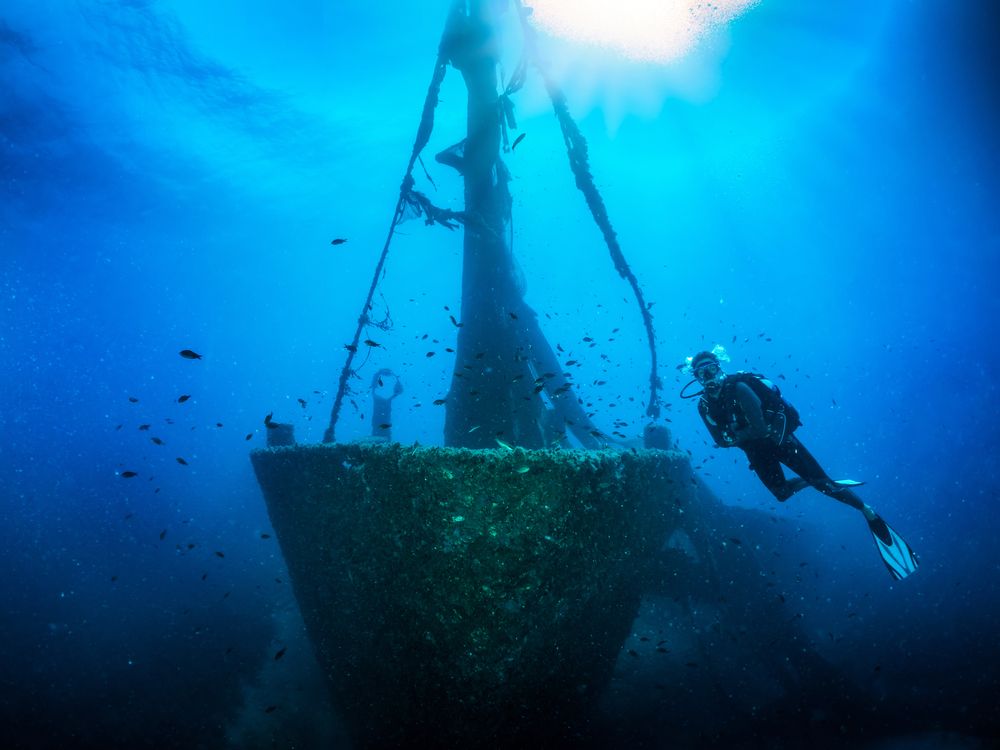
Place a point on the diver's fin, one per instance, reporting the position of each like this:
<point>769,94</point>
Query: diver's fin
<point>847,482</point>
<point>896,554</point>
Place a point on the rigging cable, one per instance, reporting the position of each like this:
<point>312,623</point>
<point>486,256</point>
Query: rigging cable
<point>576,149</point>
<point>423,135</point>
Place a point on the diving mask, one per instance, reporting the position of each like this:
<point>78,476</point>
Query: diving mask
<point>706,372</point>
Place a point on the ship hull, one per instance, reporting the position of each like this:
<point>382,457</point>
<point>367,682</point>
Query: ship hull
<point>461,598</point>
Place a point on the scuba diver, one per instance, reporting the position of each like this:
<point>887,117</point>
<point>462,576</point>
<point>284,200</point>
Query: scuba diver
<point>747,411</point>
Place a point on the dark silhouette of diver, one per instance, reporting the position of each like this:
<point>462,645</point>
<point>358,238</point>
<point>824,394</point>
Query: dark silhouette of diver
<point>746,411</point>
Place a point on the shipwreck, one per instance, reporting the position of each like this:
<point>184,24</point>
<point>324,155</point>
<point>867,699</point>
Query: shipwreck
<point>479,593</point>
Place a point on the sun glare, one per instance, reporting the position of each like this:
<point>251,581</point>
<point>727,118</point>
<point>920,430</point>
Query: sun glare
<point>657,31</point>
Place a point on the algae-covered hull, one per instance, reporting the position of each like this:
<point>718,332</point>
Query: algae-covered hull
<point>467,598</point>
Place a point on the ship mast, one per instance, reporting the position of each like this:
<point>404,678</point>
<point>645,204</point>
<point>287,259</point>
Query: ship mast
<point>503,362</point>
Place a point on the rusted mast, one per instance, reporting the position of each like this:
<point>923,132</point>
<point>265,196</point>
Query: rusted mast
<point>486,399</point>
<point>503,362</point>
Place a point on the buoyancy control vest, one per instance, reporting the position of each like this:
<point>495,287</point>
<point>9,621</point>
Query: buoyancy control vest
<point>726,415</point>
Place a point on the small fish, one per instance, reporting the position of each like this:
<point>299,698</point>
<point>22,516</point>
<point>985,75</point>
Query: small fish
<point>219,554</point>
<point>634,653</point>
<point>439,401</point>
<point>128,474</point>
<point>204,576</point>
<point>133,400</point>
<point>182,399</point>
<point>662,650</point>
<point>181,461</point>
<point>280,653</point>
<point>338,241</point>
<point>265,536</point>
<point>455,322</point>
<point>218,424</point>
<point>163,535</point>
<point>373,344</point>
<point>351,348</point>
<point>384,426</point>
<point>157,441</point>
<point>522,469</point>
<point>114,578</point>
<point>188,354</point>
<point>272,709</point>
<point>503,445</point>
<point>517,140</point>
<point>249,435</point>
<point>267,421</point>
<point>734,540</point>
<point>430,354</point>
<point>302,402</point>
<point>513,316</point>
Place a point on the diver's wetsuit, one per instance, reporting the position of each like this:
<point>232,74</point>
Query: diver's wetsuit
<point>735,417</point>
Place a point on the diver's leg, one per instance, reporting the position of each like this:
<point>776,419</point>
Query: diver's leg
<point>797,458</point>
<point>765,463</point>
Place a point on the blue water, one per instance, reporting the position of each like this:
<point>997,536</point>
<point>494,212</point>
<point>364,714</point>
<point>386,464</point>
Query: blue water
<point>823,202</point>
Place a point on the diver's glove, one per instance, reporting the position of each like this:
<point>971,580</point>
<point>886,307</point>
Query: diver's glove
<point>728,441</point>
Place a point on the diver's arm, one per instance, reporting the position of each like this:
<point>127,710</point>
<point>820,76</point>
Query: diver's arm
<point>750,404</point>
<point>714,429</point>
